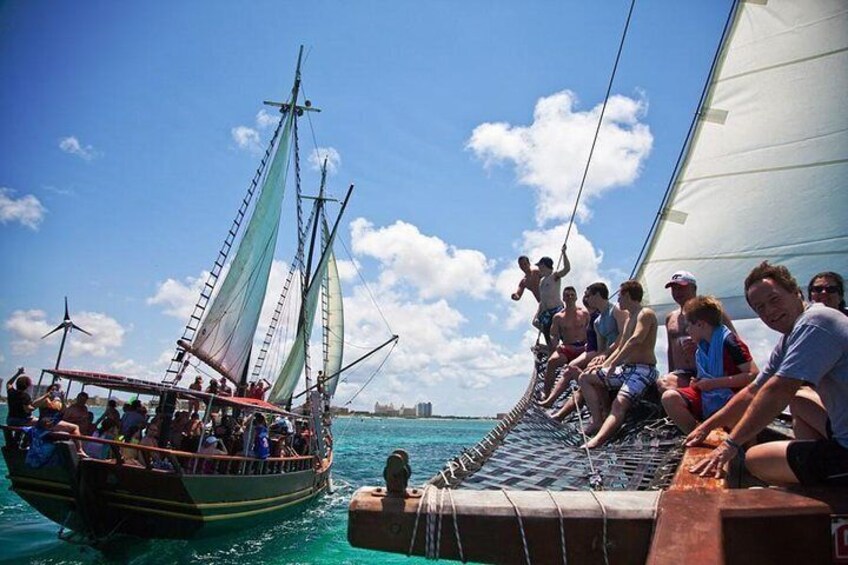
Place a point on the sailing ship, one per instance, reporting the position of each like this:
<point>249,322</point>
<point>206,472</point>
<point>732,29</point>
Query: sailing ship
<point>169,492</point>
<point>761,177</point>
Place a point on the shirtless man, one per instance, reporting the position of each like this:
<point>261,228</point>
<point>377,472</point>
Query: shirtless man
<point>530,281</point>
<point>631,368</point>
<point>77,413</point>
<point>568,335</point>
<point>550,300</point>
<point>608,327</point>
<point>681,347</point>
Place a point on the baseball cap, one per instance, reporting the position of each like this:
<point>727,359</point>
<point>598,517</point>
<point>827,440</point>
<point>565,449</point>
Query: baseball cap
<point>210,440</point>
<point>546,261</point>
<point>681,277</point>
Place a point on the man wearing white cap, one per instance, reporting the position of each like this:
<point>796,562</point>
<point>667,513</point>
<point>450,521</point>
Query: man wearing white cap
<point>681,347</point>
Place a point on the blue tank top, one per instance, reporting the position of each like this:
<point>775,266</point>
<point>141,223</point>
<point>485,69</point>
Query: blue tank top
<point>606,325</point>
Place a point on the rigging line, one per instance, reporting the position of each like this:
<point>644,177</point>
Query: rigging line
<point>689,134</point>
<point>600,121</point>
<point>371,378</point>
<point>365,284</point>
<point>348,343</point>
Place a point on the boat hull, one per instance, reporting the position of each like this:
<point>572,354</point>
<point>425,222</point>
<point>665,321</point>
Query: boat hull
<point>99,499</point>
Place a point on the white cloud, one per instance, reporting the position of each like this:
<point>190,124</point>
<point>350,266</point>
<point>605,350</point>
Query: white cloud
<point>246,138</point>
<point>318,155</point>
<point>550,154</point>
<point>73,146</point>
<point>347,269</point>
<point>28,327</point>
<point>426,263</point>
<point>27,209</point>
<point>179,297</point>
<point>265,120</point>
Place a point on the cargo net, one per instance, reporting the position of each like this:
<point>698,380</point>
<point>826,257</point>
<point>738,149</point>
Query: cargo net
<point>529,450</point>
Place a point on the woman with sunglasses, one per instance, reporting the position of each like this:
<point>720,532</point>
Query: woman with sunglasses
<point>828,288</point>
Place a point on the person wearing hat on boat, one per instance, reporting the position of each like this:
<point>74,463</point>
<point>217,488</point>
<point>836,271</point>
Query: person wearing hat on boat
<point>681,347</point>
<point>550,299</point>
<point>813,349</point>
<point>631,368</point>
<point>530,281</point>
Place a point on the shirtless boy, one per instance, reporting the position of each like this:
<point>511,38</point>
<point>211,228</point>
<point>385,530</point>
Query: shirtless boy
<point>550,301</point>
<point>530,281</point>
<point>608,327</point>
<point>568,335</point>
<point>631,368</point>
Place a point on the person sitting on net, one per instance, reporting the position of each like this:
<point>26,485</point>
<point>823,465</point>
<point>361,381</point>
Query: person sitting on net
<point>724,366</point>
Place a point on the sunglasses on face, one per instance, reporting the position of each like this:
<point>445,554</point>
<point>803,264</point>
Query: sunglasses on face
<point>829,289</point>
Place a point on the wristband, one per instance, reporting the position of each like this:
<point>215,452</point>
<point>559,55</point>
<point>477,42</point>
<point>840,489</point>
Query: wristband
<point>733,444</point>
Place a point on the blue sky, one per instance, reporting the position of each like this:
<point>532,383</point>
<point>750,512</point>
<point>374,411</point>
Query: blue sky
<point>129,136</point>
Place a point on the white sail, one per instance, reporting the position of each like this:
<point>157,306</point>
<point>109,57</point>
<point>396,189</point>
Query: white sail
<point>764,177</point>
<point>335,325</point>
<point>296,360</point>
<point>225,335</point>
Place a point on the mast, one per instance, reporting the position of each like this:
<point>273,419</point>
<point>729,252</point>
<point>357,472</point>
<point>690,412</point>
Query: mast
<point>224,336</point>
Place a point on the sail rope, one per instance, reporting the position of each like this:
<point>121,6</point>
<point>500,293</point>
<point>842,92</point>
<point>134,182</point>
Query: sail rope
<point>374,374</point>
<point>605,541</point>
<point>600,122</point>
<point>421,500</point>
<point>520,526</point>
<point>684,149</point>
<point>456,525</point>
<point>561,527</point>
<point>595,479</point>
<point>365,284</point>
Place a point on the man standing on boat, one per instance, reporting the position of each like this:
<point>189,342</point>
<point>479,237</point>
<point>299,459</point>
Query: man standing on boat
<point>681,347</point>
<point>568,335</point>
<point>631,368</point>
<point>530,281</point>
<point>550,300</point>
<point>813,349</point>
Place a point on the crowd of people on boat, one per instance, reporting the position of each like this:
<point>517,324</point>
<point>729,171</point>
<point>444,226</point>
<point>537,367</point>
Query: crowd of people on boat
<point>603,353</point>
<point>226,431</point>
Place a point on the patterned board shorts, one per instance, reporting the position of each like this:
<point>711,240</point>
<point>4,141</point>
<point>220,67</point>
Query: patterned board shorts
<point>632,381</point>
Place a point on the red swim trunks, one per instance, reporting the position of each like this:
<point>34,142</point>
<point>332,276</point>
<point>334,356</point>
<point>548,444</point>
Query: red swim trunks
<point>572,350</point>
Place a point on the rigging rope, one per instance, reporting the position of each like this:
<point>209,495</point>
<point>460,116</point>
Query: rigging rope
<point>600,121</point>
<point>365,284</point>
<point>561,527</point>
<point>520,526</point>
<point>371,378</point>
<point>683,150</point>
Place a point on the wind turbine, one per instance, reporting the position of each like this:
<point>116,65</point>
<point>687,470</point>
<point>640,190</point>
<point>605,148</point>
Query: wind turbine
<point>67,325</point>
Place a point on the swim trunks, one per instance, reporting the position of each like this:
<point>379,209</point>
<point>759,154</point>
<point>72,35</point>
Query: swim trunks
<point>631,380</point>
<point>571,350</point>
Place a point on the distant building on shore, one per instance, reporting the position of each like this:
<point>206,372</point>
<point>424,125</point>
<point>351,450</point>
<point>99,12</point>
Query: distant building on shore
<point>386,410</point>
<point>424,410</point>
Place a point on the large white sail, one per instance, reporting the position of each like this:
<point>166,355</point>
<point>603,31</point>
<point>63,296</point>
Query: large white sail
<point>225,335</point>
<point>764,177</point>
<point>290,373</point>
<point>335,325</point>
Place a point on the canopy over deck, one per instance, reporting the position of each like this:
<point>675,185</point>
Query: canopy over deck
<point>129,384</point>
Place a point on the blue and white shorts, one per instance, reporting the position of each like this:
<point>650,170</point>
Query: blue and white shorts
<point>632,381</point>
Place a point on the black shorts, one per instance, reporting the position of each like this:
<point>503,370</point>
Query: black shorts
<point>818,462</point>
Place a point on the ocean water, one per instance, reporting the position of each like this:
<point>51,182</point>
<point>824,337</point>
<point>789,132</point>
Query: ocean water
<point>316,534</point>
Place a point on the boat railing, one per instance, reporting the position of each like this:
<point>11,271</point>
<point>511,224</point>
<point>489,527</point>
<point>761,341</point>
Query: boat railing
<point>161,459</point>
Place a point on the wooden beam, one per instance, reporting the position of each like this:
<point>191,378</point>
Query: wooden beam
<point>489,529</point>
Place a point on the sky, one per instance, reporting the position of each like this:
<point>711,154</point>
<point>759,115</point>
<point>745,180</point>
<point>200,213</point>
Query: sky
<point>131,132</point>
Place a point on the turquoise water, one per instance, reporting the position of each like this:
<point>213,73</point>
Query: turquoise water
<point>318,534</point>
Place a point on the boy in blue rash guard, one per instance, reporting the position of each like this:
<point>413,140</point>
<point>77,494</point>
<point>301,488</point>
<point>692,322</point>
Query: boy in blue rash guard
<point>724,365</point>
